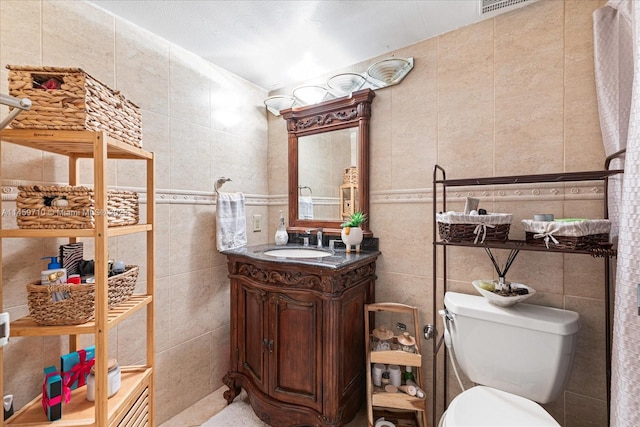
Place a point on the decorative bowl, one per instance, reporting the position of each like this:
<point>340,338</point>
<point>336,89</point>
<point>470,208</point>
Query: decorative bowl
<point>502,301</point>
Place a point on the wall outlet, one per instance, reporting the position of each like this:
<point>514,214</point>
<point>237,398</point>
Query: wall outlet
<point>257,223</point>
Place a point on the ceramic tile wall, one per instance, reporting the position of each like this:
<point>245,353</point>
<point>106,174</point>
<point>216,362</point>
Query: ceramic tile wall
<point>510,95</point>
<point>202,123</point>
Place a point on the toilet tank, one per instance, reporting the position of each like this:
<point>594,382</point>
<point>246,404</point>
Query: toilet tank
<point>523,349</point>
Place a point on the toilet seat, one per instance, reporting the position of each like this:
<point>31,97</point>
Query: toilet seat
<point>482,406</point>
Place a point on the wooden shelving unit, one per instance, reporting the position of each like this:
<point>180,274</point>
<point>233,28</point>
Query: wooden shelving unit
<point>377,397</point>
<point>348,200</point>
<point>132,405</point>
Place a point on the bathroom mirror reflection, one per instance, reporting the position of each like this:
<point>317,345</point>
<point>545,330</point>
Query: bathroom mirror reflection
<point>325,161</point>
<point>329,161</point>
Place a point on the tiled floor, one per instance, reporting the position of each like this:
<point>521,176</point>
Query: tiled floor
<point>207,407</point>
<point>200,412</point>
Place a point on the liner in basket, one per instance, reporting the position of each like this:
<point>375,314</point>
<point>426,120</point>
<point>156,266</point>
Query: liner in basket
<point>72,207</point>
<point>458,227</point>
<point>70,99</point>
<point>79,306</point>
<point>562,234</point>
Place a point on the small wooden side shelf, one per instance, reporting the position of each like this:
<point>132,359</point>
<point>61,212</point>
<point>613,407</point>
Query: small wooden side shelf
<point>348,200</point>
<point>377,397</point>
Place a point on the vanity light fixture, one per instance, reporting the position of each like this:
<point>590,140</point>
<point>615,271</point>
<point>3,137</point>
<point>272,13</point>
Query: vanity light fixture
<point>279,102</point>
<point>345,83</point>
<point>309,95</point>
<point>381,74</point>
<point>390,71</point>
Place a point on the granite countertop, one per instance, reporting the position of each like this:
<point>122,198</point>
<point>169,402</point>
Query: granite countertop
<point>338,259</point>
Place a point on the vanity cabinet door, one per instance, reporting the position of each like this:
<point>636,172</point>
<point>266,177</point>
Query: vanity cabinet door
<point>252,334</point>
<point>295,359</point>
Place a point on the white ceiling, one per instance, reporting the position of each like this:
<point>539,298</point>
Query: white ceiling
<point>277,43</point>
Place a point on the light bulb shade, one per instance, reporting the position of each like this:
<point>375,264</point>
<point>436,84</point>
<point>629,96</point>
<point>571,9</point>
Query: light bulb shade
<point>277,103</point>
<point>390,70</point>
<point>346,83</point>
<point>309,95</point>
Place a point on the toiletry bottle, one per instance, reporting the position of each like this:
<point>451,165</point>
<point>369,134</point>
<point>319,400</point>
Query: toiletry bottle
<point>54,273</point>
<point>281,233</point>
<point>408,375</point>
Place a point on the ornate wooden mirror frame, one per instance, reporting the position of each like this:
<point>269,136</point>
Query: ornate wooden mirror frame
<point>335,114</point>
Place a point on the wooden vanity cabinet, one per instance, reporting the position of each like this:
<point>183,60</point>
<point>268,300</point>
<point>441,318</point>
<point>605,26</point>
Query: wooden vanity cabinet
<point>280,330</point>
<point>297,343</point>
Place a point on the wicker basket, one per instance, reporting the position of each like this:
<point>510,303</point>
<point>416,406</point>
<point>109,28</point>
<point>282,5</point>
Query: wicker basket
<point>72,207</point>
<point>458,227</point>
<point>350,176</point>
<point>569,242</point>
<point>569,235</point>
<point>74,101</point>
<point>121,286</point>
<point>79,306</point>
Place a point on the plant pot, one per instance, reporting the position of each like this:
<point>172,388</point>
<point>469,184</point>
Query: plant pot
<point>351,236</point>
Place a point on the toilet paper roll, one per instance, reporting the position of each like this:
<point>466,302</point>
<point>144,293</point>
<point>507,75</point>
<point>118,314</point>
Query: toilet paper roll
<point>395,375</point>
<point>384,423</point>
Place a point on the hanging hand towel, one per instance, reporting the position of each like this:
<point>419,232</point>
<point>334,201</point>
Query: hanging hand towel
<point>231,221</point>
<point>305,207</point>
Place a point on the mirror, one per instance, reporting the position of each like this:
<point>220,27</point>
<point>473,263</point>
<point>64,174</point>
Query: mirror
<point>329,161</point>
<point>323,159</point>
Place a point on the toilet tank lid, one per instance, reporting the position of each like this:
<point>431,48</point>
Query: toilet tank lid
<point>535,317</point>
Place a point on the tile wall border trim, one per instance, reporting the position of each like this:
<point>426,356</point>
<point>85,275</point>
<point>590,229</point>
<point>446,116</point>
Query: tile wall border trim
<point>163,196</point>
<point>503,193</point>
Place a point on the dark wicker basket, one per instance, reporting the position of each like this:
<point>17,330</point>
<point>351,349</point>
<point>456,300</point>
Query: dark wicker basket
<point>458,233</point>
<point>569,242</point>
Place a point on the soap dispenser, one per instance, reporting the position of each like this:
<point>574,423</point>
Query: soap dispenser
<point>282,237</point>
<point>54,273</point>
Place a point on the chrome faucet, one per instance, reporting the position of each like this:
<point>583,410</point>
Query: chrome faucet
<point>332,243</point>
<point>318,234</point>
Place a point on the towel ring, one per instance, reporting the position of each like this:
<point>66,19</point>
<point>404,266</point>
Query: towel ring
<point>219,183</point>
<point>302,187</point>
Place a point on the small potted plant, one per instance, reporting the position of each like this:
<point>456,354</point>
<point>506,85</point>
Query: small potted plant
<point>351,231</point>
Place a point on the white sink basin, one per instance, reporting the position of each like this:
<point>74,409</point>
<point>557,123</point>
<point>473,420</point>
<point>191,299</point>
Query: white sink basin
<point>297,253</point>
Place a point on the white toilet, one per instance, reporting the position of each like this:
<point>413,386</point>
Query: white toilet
<point>516,355</point>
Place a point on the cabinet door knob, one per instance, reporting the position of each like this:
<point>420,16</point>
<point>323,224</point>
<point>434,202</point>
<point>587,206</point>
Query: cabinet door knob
<point>270,346</point>
<point>265,343</point>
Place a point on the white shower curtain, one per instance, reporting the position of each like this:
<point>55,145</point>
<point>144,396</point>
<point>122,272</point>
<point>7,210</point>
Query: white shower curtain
<point>617,66</point>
